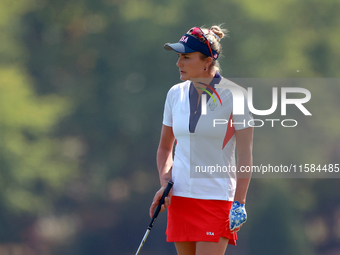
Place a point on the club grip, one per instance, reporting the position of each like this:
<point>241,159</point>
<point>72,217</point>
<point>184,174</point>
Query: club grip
<point>155,214</point>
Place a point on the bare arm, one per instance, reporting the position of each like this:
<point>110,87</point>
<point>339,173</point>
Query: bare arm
<point>164,155</point>
<point>164,165</point>
<point>244,146</point>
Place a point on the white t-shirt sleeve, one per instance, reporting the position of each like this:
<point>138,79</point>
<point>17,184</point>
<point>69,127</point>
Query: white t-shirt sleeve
<point>167,115</point>
<point>243,121</point>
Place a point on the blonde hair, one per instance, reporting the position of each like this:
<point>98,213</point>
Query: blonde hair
<point>214,35</point>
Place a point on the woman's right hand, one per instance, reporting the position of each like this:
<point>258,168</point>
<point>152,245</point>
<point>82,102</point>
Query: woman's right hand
<point>157,198</point>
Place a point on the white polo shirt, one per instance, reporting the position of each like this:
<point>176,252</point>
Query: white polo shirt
<point>204,163</point>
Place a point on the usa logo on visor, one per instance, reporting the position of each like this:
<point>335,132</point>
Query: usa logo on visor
<point>184,39</point>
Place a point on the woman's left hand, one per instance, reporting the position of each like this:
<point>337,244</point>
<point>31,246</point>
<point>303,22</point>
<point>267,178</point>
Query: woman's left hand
<point>237,216</point>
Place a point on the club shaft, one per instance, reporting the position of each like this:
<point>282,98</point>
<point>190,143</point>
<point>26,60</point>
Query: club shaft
<point>143,241</point>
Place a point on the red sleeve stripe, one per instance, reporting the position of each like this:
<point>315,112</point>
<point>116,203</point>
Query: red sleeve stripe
<point>230,132</point>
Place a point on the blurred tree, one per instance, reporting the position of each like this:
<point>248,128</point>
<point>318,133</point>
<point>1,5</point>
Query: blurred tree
<point>34,164</point>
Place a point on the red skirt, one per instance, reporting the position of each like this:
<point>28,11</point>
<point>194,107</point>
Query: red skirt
<point>198,220</point>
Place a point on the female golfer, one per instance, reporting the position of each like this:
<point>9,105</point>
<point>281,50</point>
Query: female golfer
<point>208,197</point>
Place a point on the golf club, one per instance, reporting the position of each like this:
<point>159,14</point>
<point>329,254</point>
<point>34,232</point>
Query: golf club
<point>166,192</point>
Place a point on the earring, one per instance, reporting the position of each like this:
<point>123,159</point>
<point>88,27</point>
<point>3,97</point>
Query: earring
<point>205,69</point>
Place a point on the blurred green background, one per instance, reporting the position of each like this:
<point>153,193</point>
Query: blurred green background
<point>82,89</point>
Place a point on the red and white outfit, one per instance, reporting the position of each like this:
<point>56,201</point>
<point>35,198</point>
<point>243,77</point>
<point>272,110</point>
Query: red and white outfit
<point>202,200</point>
